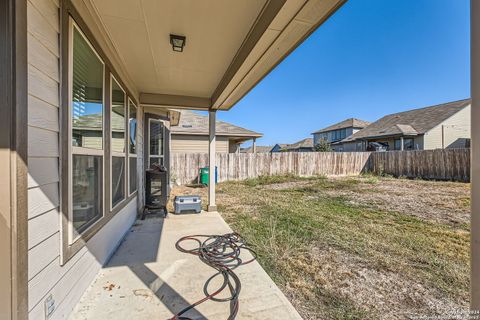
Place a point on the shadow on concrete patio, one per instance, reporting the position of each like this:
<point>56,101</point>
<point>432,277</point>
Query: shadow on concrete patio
<point>148,278</point>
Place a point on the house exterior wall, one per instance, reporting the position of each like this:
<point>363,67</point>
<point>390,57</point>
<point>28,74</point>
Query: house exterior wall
<point>418,143</point>
<point>47,276</point>
<point>233,147</point>
<point>319,136</point>
<point>197,144</point>
<point>389,141</point>
<point>276,148</point>
<point>346,147</point>
<point>329,135</point>
<point>455,130</point>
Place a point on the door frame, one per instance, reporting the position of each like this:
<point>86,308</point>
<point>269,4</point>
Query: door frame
<point>13,160</point>
<point>166,143</point>
<point>149,121</point>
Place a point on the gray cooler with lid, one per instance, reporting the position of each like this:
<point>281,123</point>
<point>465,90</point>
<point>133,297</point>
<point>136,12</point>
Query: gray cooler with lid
<point>187,204</point>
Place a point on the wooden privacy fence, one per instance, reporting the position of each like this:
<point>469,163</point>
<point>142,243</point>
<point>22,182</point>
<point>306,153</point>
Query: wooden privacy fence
<point>233,166</point>
<point>440,164</point>
<point>449,164</point>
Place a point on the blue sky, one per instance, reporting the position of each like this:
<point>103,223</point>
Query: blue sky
<point>372,58</point>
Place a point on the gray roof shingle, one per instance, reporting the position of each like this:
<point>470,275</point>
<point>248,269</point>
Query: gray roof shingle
<point>305,143</point>
<point>412,122</point>
<point>351,122</point>
<point>194,123</point>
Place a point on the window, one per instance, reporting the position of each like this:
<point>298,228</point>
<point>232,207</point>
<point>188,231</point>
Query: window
<point>398,144</point>
<point>339,134</point>
<point>118,138</point>
<point>408,144</point>
<point>100,136</point>
<point>156,142</point>
<point>132,142</point>
<point>86,138</point>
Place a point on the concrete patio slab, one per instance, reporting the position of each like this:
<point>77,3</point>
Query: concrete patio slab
<point>148,278</point>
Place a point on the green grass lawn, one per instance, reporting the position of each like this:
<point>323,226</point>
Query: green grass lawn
<point>338,259</point>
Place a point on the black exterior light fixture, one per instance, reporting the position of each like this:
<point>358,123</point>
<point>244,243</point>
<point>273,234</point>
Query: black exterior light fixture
<point>178,42</point>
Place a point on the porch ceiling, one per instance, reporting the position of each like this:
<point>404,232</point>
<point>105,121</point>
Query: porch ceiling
<point>230,45</point>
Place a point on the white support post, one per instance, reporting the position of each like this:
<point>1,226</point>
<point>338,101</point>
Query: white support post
<point>475,156</point>
<point>254,145</point>
<point>211,161</point>
<point>401,144</point>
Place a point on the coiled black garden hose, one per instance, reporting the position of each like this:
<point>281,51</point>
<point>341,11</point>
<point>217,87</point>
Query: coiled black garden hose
<point>222,253</point>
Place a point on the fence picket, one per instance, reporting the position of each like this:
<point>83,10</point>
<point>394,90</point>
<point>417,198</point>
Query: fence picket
<point>451,164</point>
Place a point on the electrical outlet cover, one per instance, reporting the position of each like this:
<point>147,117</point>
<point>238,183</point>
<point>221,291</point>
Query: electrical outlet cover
<point>49,306</point>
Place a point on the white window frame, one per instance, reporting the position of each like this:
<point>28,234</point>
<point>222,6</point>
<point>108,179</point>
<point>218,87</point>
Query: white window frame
<point>80,150</point>
<point>118,154</point>
<point>148,141</point>
<point>130,154</point>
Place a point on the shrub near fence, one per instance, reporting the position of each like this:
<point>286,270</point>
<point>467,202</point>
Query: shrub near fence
<point>449,164</point>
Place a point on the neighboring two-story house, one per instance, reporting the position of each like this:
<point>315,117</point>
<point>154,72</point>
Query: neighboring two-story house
<point>436,127</point>
<point>339,131</point>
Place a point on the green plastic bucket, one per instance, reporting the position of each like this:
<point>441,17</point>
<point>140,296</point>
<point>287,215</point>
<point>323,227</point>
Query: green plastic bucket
<point>204,174</point>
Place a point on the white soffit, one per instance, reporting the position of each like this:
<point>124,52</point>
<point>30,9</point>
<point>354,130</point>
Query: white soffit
<point>215,30</point>
<point>221,62</point>
<point>294,23</point>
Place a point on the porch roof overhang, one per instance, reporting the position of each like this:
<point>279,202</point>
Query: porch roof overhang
<point>230,45</point>
<point>220,134</point>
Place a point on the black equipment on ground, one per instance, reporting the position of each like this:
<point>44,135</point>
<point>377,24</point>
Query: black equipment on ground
<point>156,190</point>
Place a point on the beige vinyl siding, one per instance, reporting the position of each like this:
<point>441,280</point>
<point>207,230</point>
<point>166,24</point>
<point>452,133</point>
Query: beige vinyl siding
<point>46,275</point>
<point>93,140</point>
<point>67,283</point>
<point>196,144</point>
<point>455,130</point>
<point>43,141</point>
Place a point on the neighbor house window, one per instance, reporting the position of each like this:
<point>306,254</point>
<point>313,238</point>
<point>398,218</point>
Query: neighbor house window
<point>118,137</point>
<point>156,142</point>
<point>86,136</point>
<point>339,134</point>
<point>132,142</point>
<point>398,144</point>
<point>408,144</point>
